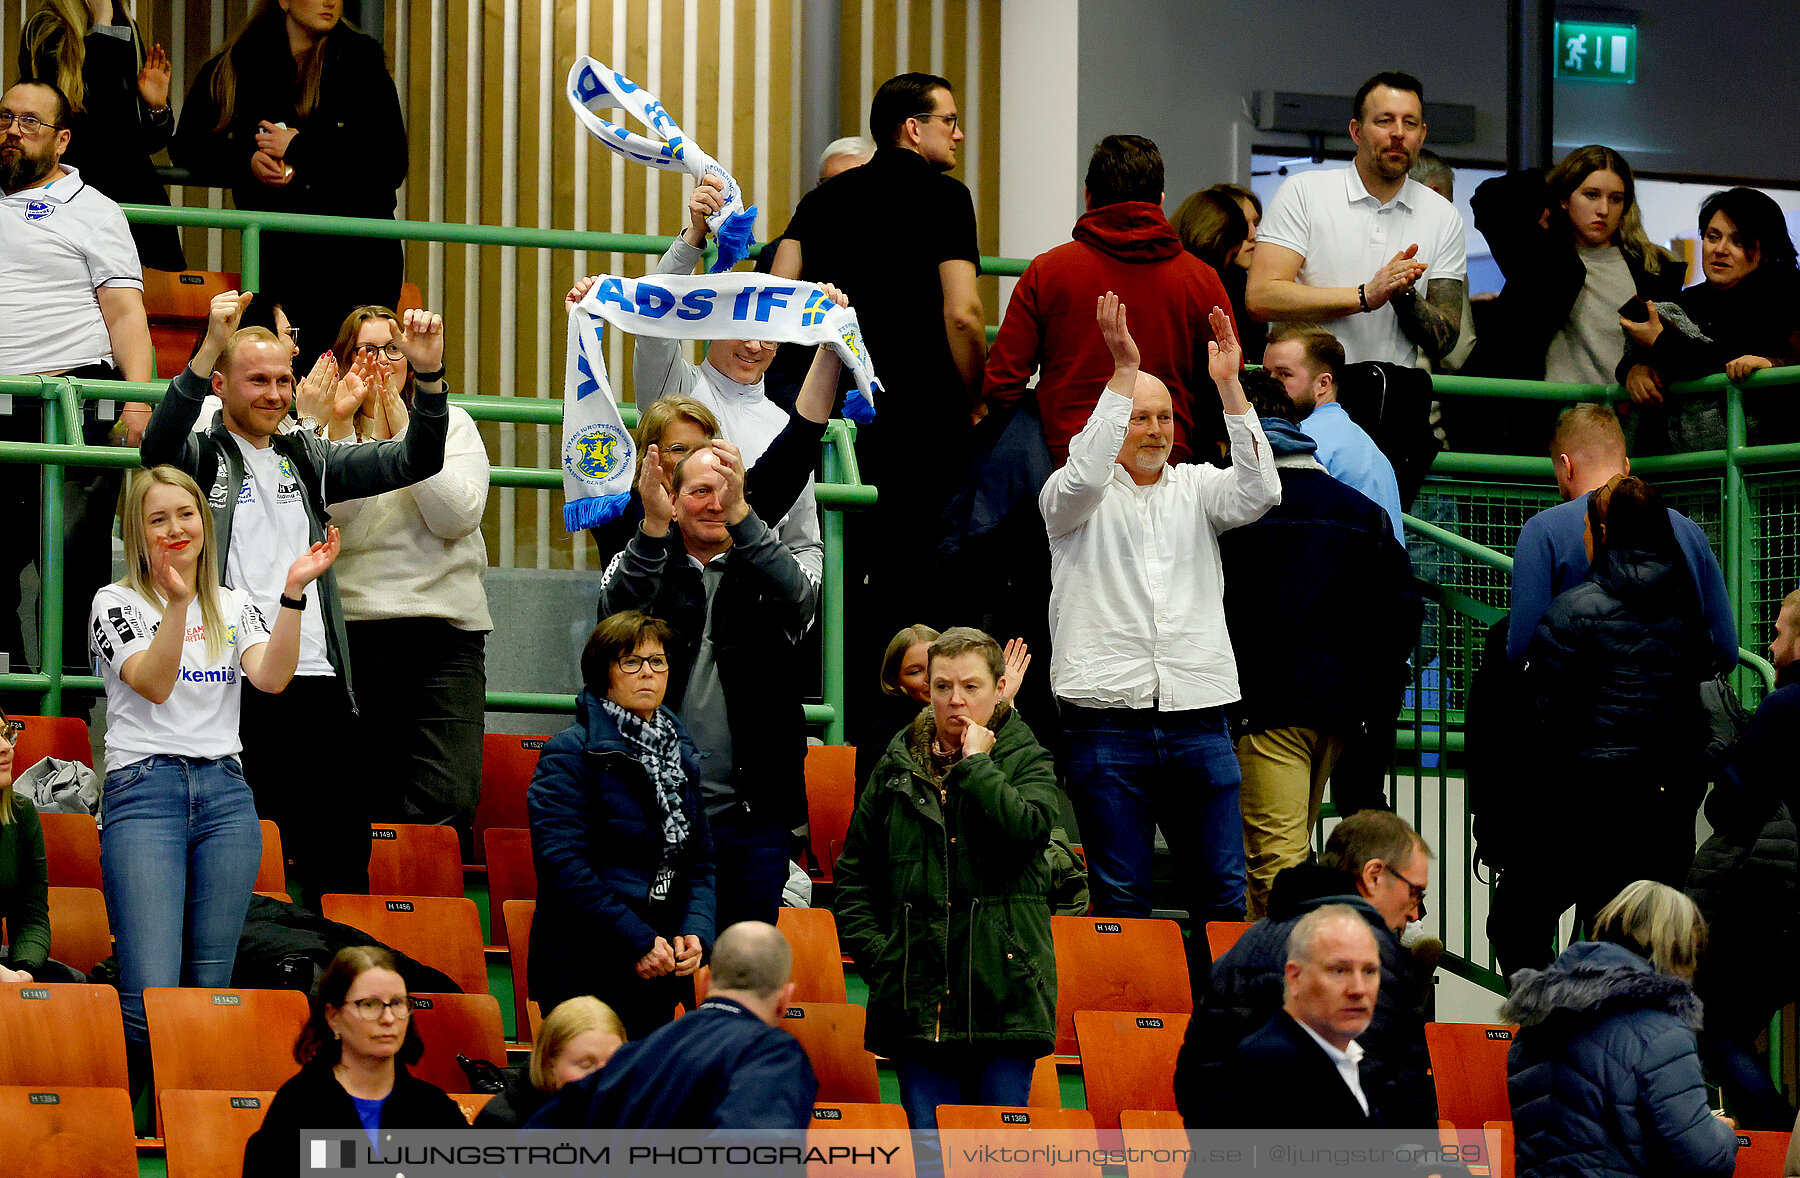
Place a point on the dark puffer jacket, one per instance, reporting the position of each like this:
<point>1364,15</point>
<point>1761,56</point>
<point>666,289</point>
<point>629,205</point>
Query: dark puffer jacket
<point>943,895</point>
<point>1604,1076</point>
<point>1248,988</point>
<point>597,842</point>
<point>1615,668</point>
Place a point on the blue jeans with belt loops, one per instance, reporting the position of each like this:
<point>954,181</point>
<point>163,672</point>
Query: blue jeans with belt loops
<point>178,856</point>
<point>1132,770</point>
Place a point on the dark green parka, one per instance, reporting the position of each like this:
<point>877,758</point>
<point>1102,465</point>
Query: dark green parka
<point>942,895</point>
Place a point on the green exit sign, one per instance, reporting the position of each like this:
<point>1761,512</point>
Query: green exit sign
<point>1596,52</point>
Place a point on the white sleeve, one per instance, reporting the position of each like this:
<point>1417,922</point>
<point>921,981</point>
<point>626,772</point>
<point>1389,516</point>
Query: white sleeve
<point>1286,223</point>
<point>453,500</point>
<point>1074,491</point>
<point>252,628</point>
<point>118,627</point>
<point>1450,258</point>
<point>112,256</point>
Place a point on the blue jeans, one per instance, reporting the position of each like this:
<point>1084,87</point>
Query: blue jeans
<point>971,1077</point>
<point>178,855</point>
<point>1132,770</point>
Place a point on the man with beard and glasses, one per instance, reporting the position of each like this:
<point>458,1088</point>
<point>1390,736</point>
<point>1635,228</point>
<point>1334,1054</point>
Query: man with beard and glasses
<point>1352,244</point>
<point>71,304</point>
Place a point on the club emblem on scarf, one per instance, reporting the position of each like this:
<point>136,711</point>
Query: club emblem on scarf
<point>595,452</point>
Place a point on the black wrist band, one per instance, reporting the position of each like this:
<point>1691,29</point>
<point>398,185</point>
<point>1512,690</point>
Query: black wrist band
<point>293,602</point>
<point>1361,295</point>
<point>428,377</point>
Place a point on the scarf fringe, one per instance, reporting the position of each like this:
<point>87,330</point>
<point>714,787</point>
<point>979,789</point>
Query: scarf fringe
<point>736,233</point>
<point>582,514</point>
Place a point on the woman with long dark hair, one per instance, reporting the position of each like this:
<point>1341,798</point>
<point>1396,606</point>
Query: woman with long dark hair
<point>1743,318</point>
<point>353,1051</point>
<point>1573,249</point>
<point>298,114</point>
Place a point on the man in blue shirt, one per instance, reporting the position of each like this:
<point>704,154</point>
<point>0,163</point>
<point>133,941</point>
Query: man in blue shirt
<point>1587,449</point>
<point>1306,359</point>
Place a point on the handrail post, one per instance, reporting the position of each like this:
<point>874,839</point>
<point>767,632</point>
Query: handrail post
<point>832,526</point>
<point>250,258</point>
<point>1739,569</point>
<point>58,396</point>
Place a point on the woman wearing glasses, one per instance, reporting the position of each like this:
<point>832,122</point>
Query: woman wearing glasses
<point>180,844</point>
<point>411,584</point>
<point>353,1051</point>
<point>624,857</point>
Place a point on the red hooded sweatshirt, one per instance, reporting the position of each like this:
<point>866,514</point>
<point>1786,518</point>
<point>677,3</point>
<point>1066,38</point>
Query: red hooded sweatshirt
<point>1129,249</point>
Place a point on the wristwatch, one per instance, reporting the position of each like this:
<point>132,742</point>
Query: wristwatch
<point>293,602</point>
<point>311,424</point>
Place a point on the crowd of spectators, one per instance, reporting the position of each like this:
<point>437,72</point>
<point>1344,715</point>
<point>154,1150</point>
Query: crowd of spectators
<point>1215,559</point>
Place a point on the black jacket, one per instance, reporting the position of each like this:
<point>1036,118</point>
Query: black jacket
<point>328,474</point>
<point>357,117</point>
<point>1544,275</point>
<point>1248,987</point>
<point>511,1108</point>
<point>597,843</point>
<point>1746,877</point>
<point>1603,1076</point>
<point>314,1099</point>
<point>1321,591</point>
<point>761,608</point>
<point>720,1067</point>
<point>1282,1079</point>
<point>1615,669</point>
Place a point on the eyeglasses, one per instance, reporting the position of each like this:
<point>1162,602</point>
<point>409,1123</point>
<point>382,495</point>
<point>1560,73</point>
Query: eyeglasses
<point>372,1008</point>
<point>949,120</point>
<point>12,730</point>
<point>631,664</point>
<point>293,334</point>
<point>1418,893</point>
<point>385,351</point>
<point>28,124</point>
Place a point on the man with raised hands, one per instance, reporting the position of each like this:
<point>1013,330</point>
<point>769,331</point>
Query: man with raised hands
<point>1142,665</point>
<point>738,602</point>
<point>269,492</point>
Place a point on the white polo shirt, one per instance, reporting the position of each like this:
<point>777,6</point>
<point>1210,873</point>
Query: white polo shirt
<point>1345,235</point>
<point>59,243</point>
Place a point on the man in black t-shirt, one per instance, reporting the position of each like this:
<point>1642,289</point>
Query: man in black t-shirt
<point>898,236</point>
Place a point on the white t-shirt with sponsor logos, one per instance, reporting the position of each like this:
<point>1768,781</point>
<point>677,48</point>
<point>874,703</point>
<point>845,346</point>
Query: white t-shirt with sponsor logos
<point>200,717</point>
<point>269,530</point>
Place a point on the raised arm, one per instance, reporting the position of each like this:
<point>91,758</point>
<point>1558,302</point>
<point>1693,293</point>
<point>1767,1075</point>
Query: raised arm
<point>168,436</point>
<point>1251,486</point>
<point>356,472</point>
<point>657,366</point>
<point>632,579</point>
<point>270,665</point>
<point>1073,492</point>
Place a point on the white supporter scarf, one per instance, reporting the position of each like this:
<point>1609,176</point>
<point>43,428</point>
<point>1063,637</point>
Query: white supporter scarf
<point>593,88</point>
<point>599,457</point>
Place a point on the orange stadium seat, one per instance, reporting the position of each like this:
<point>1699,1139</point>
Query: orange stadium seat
<point>79,933</point>
<point>512,875</point>
<point>1128,1060</point>
<point>68,1132</point>
<point>1221,935</point>
<point>190,1026</point>
<point>62,1034</point>
<point>1761,1154</point>
<point>205,1130</point>
<point>72,850</point>
<point>818,961</point>
<point>1468,1067</point>
<point>471,1103</point>
<point>64,737</point>
<point>515,918</point>
<point>1117,964</point>
<point>1503,1159</point>
<point>1046,1086</point>
<point>453,1023</point>
<point>271,873</point>
<point>444,932</point>
<point>1150,1132</point>
<point>830,798</point>
<point>965,1126</point>
<point>507,763</point>
<point>413,859</point>
<point>860,1127</point>
<point>832,1033</point>
<point>176,304</point>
